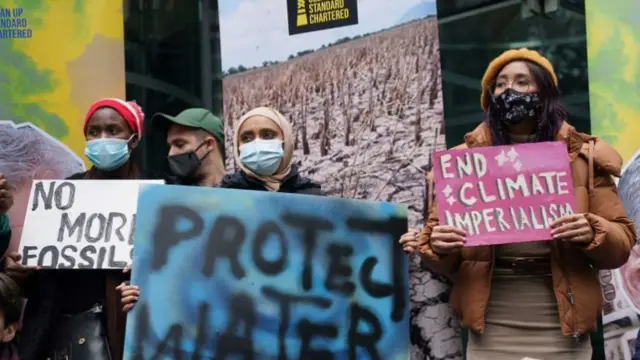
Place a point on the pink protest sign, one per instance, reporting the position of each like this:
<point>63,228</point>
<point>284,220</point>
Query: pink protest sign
<point>504,194</point>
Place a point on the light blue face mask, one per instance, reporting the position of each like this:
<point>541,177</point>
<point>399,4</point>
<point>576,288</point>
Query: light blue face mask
<point>107,153</point>
<point>262,156</point>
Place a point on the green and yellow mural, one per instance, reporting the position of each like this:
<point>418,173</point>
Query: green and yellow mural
<point>58,56</point>
<point>613,38</point>
<point>75,54</point>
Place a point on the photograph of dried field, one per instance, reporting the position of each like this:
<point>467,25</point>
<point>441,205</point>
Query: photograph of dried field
<point>366,113</point>
<point>366,106</point>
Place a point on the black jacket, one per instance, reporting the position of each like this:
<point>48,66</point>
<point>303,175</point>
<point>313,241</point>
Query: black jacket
<point>55,292</point>
<point>292,184</point>
<point>5,234</point>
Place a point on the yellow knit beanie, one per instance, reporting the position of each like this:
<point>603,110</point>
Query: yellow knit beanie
<point>505,58</point>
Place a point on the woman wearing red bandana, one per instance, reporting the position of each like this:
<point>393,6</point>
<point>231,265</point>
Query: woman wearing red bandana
<point>112,129</point>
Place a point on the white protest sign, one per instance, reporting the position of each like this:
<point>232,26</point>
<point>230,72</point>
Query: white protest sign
<point>80,224</point>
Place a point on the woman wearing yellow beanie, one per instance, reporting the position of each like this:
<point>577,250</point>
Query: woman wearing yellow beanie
<point>534,299</point>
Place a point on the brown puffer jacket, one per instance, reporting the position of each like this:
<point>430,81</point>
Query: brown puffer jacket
<point>574,268</point>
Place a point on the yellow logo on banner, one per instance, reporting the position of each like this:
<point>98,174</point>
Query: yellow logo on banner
<point>314,15</point>
<point>302,13</point>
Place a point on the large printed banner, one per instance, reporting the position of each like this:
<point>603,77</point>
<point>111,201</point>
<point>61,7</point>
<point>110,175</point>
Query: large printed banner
<point>360,82</point>
<point>504,194</point>
<point>80,224</point>
<point>58,56</point>
<point>228,273</point>
<point>613,38</point>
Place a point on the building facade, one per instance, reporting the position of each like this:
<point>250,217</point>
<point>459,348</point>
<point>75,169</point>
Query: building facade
<point>172,54</point>
<point>474,32</point>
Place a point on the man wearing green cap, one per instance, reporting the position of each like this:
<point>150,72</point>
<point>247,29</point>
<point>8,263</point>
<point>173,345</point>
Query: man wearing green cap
<point>186,149</point>
<point>191,144</point>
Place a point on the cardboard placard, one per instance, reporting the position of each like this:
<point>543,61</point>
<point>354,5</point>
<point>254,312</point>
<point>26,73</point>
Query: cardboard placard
<point>80,224</point>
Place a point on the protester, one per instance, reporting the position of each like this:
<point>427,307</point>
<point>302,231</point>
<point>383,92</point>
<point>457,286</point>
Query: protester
<point>6,201</point>
<point>11,304</point>
<point>29,153</point>
<point>536,299</point>
<point>263,149</point>
<point>194,142</point>
<point>58,298</point>
<point>113,129</point>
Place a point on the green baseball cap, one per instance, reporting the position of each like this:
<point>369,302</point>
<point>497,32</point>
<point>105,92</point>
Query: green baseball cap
<point>200,119</point>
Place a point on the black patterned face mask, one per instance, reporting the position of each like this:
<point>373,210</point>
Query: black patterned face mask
<point>514,107</point>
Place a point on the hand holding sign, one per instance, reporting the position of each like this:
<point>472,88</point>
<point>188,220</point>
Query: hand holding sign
<point>409,241</point>
<point>6,195</point>
<point>445,239</point>
<point>129,295</point>
<point>574,228</point>
<point>14,268</point>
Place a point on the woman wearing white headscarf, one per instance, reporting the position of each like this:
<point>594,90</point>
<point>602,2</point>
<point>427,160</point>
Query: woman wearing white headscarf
<point>263,149</point>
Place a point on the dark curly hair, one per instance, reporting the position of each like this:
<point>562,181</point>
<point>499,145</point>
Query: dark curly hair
<point>551,115</point>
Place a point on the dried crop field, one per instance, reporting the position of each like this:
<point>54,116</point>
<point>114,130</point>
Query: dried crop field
<point>366,113</point>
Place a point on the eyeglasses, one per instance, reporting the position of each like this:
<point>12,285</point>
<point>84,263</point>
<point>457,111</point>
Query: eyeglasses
<point>520,85</point>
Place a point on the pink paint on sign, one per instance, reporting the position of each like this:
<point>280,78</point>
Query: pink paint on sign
<point>504,194</point>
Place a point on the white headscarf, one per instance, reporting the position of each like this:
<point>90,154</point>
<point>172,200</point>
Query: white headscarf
<point>273,181</point>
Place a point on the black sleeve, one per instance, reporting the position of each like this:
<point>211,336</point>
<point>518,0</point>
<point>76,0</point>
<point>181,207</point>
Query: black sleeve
<point>40,314</point>
<point>225,182</point>
<point>5,234</point>
<point>77,176</point>
<point>5,239</point>
<point>312,191</point>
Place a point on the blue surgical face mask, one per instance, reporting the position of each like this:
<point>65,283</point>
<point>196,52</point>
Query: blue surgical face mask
<point>107,153</point>
<point>262,156</point>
